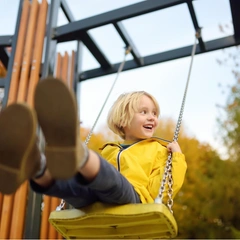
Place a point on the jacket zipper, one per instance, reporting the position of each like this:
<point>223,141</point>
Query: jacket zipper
<point>118,159</point>
<point>118,156</point>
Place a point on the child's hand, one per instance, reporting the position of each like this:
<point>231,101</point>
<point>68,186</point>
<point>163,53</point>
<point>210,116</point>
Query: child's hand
<point>174,147</point>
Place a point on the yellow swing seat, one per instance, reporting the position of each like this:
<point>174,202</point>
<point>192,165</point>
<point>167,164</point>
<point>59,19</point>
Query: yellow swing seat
<point>102,221</point>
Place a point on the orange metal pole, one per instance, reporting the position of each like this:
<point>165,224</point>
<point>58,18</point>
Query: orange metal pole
<point>45,215</point>
<point>27,56</point>
<point>34,79</point>
<point>1,202</point>
<point>19,206</point>
<point>7,201</point>
<point>72,70</point>
<point>45,225</point>
<point>6,216</point>
<point>38,49</point>
<point>61,71</point>
<point>65,65</point>
<point>58,72</point>
<point>12,97</point>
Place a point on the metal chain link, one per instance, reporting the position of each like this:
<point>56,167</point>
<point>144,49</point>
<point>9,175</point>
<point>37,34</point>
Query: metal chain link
<point>167,175</point>
<point>127,51</point>
<point>61,205</point>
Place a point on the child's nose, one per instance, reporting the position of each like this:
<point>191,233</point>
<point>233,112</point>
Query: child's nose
<point>151,116</point>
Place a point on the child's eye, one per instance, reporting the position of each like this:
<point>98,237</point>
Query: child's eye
<point>143,111</point>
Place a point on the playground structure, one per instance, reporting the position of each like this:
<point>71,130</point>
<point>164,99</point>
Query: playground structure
<point>21,214</point>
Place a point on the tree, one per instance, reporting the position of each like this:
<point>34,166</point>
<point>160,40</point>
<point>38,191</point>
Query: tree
<point>229,120</point>
<point>229,123</point>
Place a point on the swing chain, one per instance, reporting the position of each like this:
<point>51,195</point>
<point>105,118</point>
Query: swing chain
<point>128,49</point>
<point>179,122</point>
<point>61,205</point>
<point>167,176</point>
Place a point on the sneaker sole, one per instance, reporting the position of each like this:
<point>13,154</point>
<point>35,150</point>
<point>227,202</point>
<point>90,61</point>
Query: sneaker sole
<point>17,138</point>
<point>56,109</point>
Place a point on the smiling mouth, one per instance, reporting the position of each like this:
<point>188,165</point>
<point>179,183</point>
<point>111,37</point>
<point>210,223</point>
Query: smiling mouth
<point>149,127</point>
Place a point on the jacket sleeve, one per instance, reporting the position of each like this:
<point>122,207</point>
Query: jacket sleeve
<point>156,174</point>
<point>179,168</point>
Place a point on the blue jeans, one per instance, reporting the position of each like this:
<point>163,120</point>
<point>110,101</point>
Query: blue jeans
<point>109,186</point>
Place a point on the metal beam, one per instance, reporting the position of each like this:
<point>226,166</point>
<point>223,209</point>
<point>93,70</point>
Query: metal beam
<point>33,216</point>
<point>163,57</point>
<point>67,11</point>
<point>4,57</point>
<point>235,10</point>
<point>12,55</point>
<point>51,45</point>
<point>74,29</point>
<point>6,41</point>
<point>195,24</point>
<point>78,65</point>
<point>95,50</point>
<point>128,41</point>
<point>86,39</point>
<point>2,82</point>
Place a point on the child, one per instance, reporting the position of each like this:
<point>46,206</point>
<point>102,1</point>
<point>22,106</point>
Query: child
<point>130,172</point>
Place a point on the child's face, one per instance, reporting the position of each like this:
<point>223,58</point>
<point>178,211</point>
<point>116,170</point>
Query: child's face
<point>144,121</point>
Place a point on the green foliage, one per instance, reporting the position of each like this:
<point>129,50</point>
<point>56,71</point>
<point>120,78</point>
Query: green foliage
<point>230,125</point>
<point>229,121</point>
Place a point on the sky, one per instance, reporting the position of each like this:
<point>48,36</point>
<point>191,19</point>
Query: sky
<point>159,31</point>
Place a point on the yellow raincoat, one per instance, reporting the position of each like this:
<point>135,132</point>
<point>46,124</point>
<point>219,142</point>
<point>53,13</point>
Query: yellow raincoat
<point>143,165</point>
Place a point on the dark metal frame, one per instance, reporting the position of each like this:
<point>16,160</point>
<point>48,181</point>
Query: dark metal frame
<point>78,30</point>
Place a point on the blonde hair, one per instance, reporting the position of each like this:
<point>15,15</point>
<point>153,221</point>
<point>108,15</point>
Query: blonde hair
<point>123,109</point>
